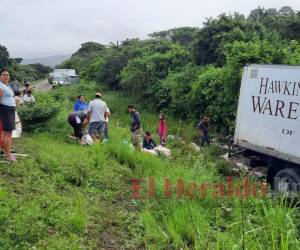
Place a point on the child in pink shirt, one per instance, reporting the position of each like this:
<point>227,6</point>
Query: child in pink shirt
<point>162,129</point>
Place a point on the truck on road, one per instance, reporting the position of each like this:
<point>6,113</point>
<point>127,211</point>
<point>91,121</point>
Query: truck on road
<point>268,122</point>
<point>63,77</point>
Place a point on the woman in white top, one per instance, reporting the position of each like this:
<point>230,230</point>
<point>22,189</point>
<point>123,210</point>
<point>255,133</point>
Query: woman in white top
<point>7,114</point>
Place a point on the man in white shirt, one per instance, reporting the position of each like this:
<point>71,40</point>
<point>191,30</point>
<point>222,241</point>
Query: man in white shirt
<point>28,97</point>
<point>97,113</point>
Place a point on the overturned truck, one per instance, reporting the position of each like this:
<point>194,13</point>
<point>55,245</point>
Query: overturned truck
<point>268,122</point>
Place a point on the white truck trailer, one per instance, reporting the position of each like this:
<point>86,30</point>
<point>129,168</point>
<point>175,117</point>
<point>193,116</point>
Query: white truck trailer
<point>63,77</point>
<point>268,121</point>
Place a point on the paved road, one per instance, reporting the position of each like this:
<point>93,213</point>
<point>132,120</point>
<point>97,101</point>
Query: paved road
<point>42,85</point>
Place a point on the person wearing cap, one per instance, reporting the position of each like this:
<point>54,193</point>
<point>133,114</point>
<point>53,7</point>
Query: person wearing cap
<point>203,128</point>
<point>97,113</point>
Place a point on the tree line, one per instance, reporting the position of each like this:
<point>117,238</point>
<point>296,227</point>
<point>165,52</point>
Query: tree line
<point>190,72</point>
<point>20,72</point>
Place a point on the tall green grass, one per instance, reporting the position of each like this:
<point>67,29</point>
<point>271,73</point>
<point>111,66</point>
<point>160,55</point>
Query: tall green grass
<point>66,196</point>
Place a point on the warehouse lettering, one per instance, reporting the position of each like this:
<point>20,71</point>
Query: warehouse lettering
<point>266,106</point>
<point>276,107</point>
<point>279,87</point>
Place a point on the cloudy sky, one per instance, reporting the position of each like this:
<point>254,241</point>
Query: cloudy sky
<point>37,28</point>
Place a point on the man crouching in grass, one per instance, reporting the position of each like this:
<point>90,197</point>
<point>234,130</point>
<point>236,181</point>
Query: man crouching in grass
<point>135,127</point>
<point>97,113</point>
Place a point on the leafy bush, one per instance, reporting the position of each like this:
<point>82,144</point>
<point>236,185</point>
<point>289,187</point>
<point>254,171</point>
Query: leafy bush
<point>35,116</point>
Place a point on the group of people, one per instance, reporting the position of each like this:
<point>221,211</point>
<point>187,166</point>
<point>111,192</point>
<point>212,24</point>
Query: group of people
<point>96,113</point>
<point>9,101</point>
<point>146,143</point>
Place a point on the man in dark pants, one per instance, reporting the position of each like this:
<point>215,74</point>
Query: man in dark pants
<point>135,127</point>
<point>78,120</point>
<point>203,127</point>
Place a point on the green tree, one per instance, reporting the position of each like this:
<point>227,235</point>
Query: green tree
<point>4,57</point>
<point>183,35</point>
<point>142,73</point>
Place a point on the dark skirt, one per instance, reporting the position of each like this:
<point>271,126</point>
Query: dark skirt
<point>7,116</point>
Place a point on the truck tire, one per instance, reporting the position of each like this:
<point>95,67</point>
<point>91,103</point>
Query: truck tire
<point>287,180</point>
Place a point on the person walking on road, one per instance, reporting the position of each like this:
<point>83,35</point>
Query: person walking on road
<point>135,127</point>
<point>97,113</point>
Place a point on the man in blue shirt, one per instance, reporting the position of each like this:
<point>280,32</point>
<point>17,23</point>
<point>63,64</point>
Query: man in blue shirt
<point>80,105</point>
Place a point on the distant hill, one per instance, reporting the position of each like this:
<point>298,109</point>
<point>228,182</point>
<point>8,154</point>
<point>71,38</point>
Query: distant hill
<point>51,61</point>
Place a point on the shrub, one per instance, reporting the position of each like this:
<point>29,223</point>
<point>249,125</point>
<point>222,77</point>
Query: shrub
<point>36,116</point>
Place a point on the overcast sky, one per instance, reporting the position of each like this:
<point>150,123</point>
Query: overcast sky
<point>38,28</point>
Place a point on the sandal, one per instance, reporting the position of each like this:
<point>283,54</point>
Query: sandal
<point>12,158</point>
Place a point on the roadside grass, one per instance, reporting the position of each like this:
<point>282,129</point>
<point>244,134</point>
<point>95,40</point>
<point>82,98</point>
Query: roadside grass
<point>66,196</point>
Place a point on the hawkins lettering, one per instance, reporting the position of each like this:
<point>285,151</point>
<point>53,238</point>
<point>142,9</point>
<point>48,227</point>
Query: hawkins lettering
<point>265,105</point>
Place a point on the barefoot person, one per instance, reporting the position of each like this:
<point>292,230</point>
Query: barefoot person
<point>135,126</point>
<point>7,114</point>
<point>97,113</point>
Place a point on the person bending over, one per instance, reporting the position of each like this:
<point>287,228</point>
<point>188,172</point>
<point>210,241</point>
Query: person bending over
<point>78,120</point>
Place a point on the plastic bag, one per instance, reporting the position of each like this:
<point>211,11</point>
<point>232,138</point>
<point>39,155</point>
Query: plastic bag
<point>87,140</point>
<point>163,151</point>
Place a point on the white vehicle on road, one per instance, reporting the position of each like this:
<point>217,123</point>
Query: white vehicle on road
<point>63,77</point>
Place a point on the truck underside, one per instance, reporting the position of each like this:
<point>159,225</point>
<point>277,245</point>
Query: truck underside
<point>282,175</point>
